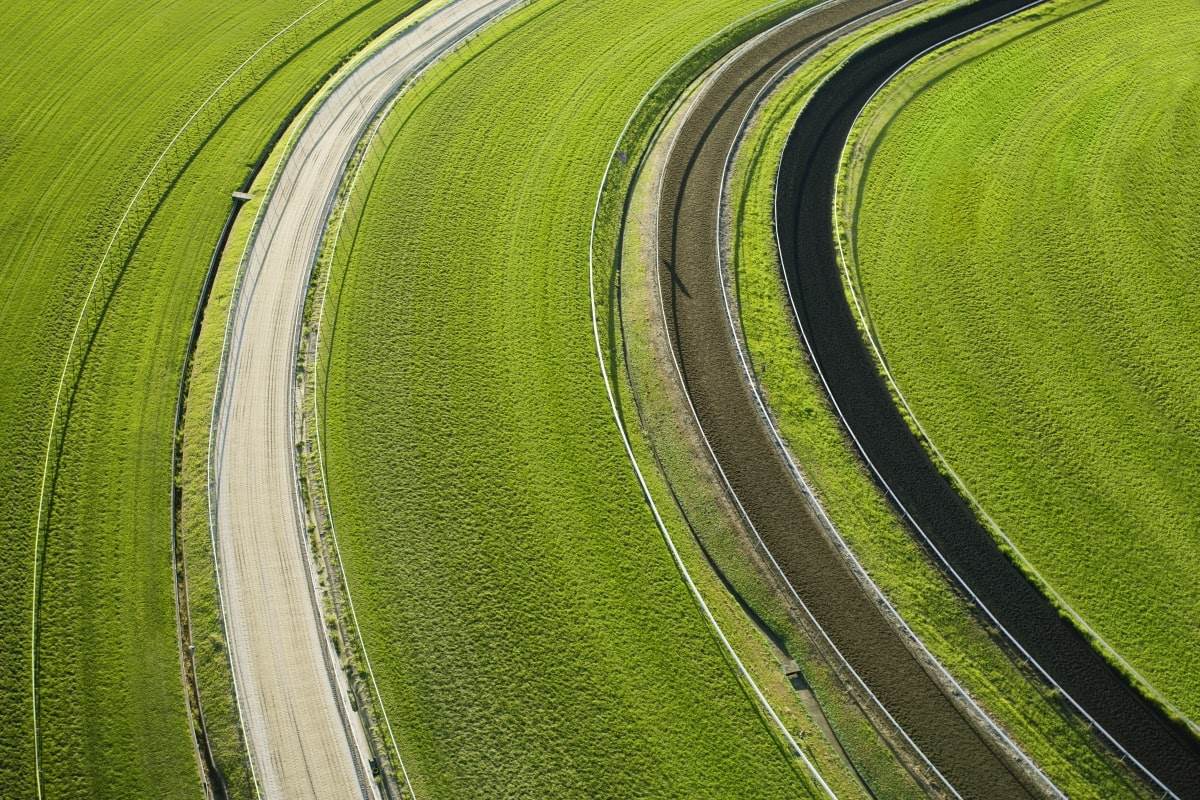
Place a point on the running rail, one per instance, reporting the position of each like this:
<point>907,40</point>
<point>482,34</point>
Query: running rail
<point>742,512</point>
<point>456,33</point>
<point>369,140</point>
<point>976,710</point>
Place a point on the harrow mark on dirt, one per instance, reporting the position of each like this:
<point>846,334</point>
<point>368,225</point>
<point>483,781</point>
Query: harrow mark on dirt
<point>756,474</point>
<point>685,574</point>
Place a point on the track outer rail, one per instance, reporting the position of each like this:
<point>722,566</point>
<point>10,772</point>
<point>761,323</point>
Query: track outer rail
<point>953,690</point>
<point>973,708</point>
<point>728,487</point>
<point>463,33</point>
<point>334,233</point>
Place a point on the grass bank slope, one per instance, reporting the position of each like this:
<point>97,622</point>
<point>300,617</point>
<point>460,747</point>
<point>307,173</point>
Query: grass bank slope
<point>529,631</point>
<point>90,96</point>
<point>1025,242</point>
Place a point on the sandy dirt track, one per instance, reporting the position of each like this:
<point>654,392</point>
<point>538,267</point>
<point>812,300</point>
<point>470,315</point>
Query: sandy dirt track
<point>304,740</point>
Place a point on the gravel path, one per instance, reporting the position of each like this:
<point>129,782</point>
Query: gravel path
<point>304,740</point>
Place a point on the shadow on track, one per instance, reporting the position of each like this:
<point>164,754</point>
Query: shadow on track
<point>804,198</point>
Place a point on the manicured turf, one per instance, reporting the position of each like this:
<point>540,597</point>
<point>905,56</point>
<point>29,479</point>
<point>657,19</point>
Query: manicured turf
<point>91,98</point>
<point>1062,747</point>
<point>1026,241</point>
<point>529,631</point>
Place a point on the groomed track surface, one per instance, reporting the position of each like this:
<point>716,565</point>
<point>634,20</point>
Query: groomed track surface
<point>803,205</point>
<point>690,275</point>
<point>304,739</point>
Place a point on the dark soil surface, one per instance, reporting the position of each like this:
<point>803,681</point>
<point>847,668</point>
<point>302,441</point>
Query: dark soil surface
<point>689,275</point>
<point>804,201</point>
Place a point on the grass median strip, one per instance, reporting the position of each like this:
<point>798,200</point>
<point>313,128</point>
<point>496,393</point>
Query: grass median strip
<point>538,636</point>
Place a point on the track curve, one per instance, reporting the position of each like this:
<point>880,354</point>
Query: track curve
<point>972,764</point>
<point>304,739</point>
<point>1168,755</point>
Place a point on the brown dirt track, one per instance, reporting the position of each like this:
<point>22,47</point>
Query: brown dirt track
<point>712,373</point>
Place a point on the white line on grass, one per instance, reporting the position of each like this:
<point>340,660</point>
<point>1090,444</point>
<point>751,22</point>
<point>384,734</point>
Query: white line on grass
<point>679,563</point>
<point>37,533</point>
<point>966,587</point>
<point>1026,564</point>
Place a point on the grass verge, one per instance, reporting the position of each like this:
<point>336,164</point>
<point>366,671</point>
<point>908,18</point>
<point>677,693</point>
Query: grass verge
<point>539,639</point>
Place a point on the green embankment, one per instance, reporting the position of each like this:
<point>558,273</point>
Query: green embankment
<point>1061,745</point>
<point>705,525</point>
<point>1026,245</point>
<point>92,96</point>
<point>527,626</point>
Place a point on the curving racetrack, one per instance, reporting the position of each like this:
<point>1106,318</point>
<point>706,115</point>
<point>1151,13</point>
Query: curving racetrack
<point>305,741</point>
<point>1167,755</point>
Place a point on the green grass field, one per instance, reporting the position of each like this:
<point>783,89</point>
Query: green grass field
<point>92,96</point>
<point>529,631</point>
<point>1026,245</point>
<point>1063,747</point>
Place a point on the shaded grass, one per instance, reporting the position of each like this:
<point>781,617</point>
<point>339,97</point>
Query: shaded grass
<point>92,95</point>
<point>213,677</point>
<point>1064,748</point>
<point>1033,316</point>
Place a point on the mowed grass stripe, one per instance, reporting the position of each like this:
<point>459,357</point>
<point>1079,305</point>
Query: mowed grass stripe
<point>539,639</point>
<point>1051,356</point>
<point>88,105</point>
